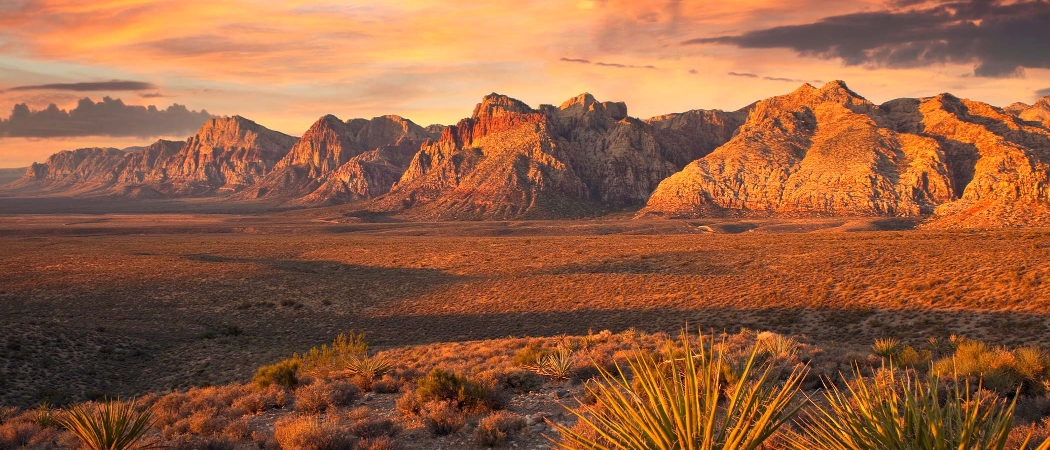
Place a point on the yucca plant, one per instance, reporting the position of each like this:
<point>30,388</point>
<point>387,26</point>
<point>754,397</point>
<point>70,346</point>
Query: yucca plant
<point>893,413</point>
<point>369,367</point>
<point>886,347</point>
<point>113,425</point>
<point>557,364</point>
<point>683,403</point>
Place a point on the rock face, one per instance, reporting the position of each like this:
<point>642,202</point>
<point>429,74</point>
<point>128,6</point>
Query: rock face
<point>225,155</point>
<point>1039,112</point>
<point>78,170</point>
<point>509,160</point>
<point>829,151</point>
<point>338,162</point>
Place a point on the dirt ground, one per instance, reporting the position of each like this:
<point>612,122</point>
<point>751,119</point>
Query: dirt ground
<point>107,304</point>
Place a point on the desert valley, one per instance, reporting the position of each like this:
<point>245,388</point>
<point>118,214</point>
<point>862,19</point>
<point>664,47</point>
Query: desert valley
<point>501,268</point>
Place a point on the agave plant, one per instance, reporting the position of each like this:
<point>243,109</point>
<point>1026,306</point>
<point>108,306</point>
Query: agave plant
<point>683,403</point>
<point>894,413</point>
<point>557,364</point>
<point>108,426</point>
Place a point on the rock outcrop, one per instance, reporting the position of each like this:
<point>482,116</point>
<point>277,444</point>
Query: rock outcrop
<point>77,170</point>
<point>226,155</point>
<point>829,151</point>
<point>509,160</point>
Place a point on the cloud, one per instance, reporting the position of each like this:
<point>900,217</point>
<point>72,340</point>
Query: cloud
<point>152,95</point>
<point>108,117</point>
<point>114,85</point>
<point>745,75</point>
<point>1043,93</point>
<point>607,64</point>
<point>999,38</point>
<point>790,80</point>
<point>752,75</point>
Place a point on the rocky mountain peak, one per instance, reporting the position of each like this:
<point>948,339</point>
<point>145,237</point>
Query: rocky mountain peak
<point>586,103</point>
<point>495,105</point>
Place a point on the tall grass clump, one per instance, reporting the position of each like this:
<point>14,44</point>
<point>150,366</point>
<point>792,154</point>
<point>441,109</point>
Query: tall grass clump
<point>322,360</point>
<point>889,412</point>
<point>108,426</point>
<point>283,373</point>
<point>683,402</point>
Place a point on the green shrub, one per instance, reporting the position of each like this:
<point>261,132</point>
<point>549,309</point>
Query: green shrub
<point>557,364</point>
<point>892,413</point>
<point>684,403</point>
<point>998,369</point>
<point>282,374</point>
<point>323,359</point>
<point>446,386</point>
<point>529,356</point>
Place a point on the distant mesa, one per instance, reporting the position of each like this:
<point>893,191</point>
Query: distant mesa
<point>823,151</point>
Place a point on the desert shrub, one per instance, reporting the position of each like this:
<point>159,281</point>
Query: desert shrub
<point>108,426</point>
<point>529,356</point>
<point>281,374</point>
<point>311,433</point>
<point>17,433</point>
<point>442,418</point>
<point>408,404</point>
<point>205,422</point>
<point>386,385</point>
<point>447,386</point>
<point>892,412</point>
<point>321,395</point>
<point>776,345</point>
<point>237,430</point>
<point>321,360</point>
<point>998,369</point>
<point>684,403</point>
<point>258,400</point>
<point>201,443</point>
<point>379,443</point>
<point>7,413</point>
<point>522,381</point>
<point>494,429</point>
<point>364,423</point>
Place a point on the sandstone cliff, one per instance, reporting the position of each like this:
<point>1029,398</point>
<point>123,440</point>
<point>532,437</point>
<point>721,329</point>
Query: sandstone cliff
<point>829,151</point>
<point>336,161</point>
<point>225,155</point>
<point>509,160</point>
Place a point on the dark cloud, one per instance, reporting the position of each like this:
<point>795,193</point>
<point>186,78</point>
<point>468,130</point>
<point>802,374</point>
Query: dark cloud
<point>693,71</point>
<point>1000,38</point>
<point>108,117</point>
<point>1043,93</point>
<point>745,75</point>
<point>605,64</point>
<point>114,85</point>
<point>152,95</point>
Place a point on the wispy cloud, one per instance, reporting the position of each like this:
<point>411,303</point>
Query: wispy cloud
<point>114,85</point>
<point>608,64</point>
<point>742,74</point>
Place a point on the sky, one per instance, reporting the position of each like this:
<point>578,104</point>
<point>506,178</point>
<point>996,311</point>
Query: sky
<point>123,73</point>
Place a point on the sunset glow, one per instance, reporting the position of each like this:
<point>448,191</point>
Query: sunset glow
<point>284,64</point>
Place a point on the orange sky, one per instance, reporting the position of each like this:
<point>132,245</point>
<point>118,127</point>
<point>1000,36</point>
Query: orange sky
<point>284,64</point>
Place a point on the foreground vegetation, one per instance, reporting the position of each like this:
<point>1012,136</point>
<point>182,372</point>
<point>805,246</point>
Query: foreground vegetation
<point>746,390</point>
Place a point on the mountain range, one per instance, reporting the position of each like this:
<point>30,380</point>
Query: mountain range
<point>813,152</point>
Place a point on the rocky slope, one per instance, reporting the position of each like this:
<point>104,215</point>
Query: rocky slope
<point>226,155</point>
<point>1038,112</point>
<point>509,160</point>
<point>75,170</point>
<point>338,162</point>
<point>829,151</point>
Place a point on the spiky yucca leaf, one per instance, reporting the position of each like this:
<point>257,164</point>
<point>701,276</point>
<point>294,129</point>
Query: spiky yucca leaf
<point>890,413</point>
<point>683,403</point>
<point>557,364</point>
<point>113,425</point>
<point>366,366</point>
